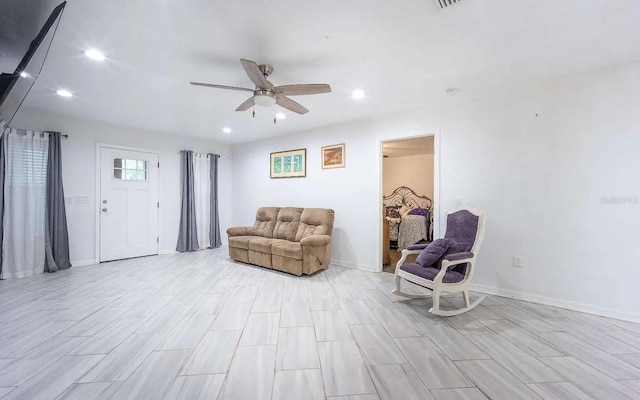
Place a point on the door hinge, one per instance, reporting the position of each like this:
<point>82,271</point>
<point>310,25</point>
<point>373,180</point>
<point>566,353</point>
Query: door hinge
<point>157,239</point>
<point>158,204</point>
<point>158,164</point>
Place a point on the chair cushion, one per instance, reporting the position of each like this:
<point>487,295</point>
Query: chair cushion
<point>433,254</point>
<point>431,272</point>
<point>462,226</point>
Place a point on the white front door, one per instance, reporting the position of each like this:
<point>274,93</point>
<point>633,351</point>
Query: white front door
<point>128,204</point>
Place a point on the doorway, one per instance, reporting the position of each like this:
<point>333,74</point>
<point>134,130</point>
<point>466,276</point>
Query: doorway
<point>408,191</point>
<point>128,203</point>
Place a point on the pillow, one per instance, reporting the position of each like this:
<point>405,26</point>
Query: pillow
<point>433,254</point>
<point>404,210</point>
<point>392,212</point>
<point>420,211</point>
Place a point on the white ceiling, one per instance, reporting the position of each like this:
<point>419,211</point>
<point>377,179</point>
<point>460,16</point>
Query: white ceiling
<point>403,53</point>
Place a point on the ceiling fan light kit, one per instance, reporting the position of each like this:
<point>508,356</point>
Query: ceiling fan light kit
<point>265,94</point>
<point>264,98</point>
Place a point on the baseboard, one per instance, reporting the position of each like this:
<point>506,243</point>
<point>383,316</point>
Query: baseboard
<point>165,252</point>
<point>83,263</point>
<point>369,268</point>
<point>550,301</point>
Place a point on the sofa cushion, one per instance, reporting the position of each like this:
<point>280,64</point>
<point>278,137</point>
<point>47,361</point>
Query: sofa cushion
<point>263,245</point>
<point>265,221</point>
<point>240,242</point>
<point>287,249</point>
<point>287,223</point>
<point>315,221</point>
<point>260,258</point>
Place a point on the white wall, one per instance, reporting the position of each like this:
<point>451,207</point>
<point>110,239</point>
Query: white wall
<point>537,161</point>
<point>79,174</point>
<point>415,172</point>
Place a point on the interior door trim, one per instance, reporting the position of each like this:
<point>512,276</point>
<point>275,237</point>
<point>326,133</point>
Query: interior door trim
<point>99,147</point>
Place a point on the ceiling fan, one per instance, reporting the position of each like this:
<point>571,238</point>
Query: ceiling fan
<point>265,94</point>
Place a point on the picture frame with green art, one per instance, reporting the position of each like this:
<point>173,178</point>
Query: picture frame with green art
<point>289,164</point>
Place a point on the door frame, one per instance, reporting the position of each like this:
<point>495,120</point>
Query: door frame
<point>436,187</point>
<point>99,147</point>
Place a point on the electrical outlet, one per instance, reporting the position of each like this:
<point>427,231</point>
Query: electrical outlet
<point>517,261</point>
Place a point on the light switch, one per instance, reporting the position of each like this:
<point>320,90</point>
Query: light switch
<point>82,199</point>
<point>68,200</point>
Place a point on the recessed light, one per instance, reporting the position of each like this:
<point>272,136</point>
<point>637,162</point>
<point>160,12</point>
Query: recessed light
<point>24,74</point>
<point>281,116</point>
<point>358,94</point>
<point>64,93</point>
<point>226,130</point>
<point>94,54</point>
<point>452,90</point>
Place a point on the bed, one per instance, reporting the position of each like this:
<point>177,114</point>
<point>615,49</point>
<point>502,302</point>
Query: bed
<point>407,218</point>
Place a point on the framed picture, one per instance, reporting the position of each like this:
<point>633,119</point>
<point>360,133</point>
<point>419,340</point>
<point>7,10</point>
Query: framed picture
<point>333,156</point>
<point>289,164</point>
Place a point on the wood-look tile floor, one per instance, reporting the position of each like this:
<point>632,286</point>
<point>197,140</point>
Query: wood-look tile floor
<point>198,326</point>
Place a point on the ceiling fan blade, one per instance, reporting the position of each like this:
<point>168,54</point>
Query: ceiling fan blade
<point>256,76</point>
<point>284,101</point>
<point>221,86</point>
<point>298,90</point>
<point>247,104</point>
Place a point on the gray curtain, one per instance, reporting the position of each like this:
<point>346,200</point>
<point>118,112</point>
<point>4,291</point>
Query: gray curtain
<point>214,230</point>
<point>56,232</point>
<point>188,236</point>
<point>2,162</point>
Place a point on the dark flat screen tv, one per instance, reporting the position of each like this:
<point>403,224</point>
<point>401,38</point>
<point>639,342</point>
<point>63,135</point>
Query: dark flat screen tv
<point>15,86</point>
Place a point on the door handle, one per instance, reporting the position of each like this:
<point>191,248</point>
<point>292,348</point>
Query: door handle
<point>104,209</point>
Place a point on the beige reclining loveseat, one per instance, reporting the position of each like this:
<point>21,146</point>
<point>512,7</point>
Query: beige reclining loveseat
<point>289,239</point>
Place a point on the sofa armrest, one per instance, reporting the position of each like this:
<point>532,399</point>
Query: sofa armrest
<point>458,256</point>
<point>241,231</point>
<point>315,241</point>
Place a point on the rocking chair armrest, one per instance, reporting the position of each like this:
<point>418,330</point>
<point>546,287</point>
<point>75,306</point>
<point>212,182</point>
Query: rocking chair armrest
<point>418,246</point>
<point>407,252</point>
<point>458,256</point>
<point>446,264</point>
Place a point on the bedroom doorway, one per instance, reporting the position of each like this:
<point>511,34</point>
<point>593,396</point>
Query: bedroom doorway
<point>408,193</point>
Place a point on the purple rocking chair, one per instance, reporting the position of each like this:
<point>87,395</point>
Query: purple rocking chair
<point>447,264</point>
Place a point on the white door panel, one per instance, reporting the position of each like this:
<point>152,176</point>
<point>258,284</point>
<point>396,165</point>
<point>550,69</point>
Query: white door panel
<point>128,204</point>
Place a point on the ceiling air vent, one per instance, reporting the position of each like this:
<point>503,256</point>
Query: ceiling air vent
<point>446,3</point>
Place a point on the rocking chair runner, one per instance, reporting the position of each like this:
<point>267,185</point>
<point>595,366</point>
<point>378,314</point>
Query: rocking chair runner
<point>453,272</point>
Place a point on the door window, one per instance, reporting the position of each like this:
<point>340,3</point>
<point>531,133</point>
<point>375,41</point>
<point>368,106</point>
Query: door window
<point>130,170</point>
